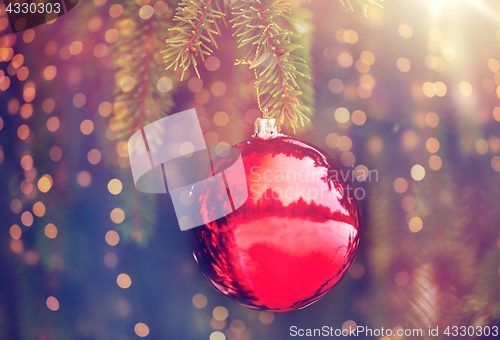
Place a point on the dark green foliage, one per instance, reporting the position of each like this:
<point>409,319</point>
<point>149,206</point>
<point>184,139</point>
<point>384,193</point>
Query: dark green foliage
<point>196,28</point>
<point>144,102</point>
<point>259,28</point>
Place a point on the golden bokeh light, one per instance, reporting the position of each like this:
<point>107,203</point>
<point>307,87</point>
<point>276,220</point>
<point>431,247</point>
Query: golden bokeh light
<point>495,163</point>
<point>361,173</point>
<point>432,119</point>
<point>87,126</point>
<point>146,12</point>
<point>221,118</point>
<point>39,209</point>
<point>348,159</point>
<point>266,317</point>
<point>141,329</point>
<point>23,73</point>
<point>405,31</point>
<point>200,301</point>
<point>105,109</point>
<point>482,146</point>
<point>52,303</point>
<point>45,183</point>
<point>112,238</point>
<point>237,326</point>
<point>335,85</point>
<point>432,145</point>
<point>50,72</point>
<point>350,36</point>
<point>123,281</point>
<point>217,336</point>
<point>27,162</point>
<point>362,66</point>
<point>17,60</point>
<point>218,325</point>
<point>23,132</point>
<point>111,35</point>
<point>345,60</point>
<point>342,115</point>
<point>408,203</point>
<point>164,84</point>
<point>375,13</point>
<point>417,172</point>
<point>368,57</point>
<point>115,11</point>
<point>94,24</point>
<point>494,65</point>
<point>415,224</point>
<point>124,60</point>
<point>440,89</point>
<point>220,313</point>
<point>126,83</point>
<point>349,327</point>
<point>100,50</point>
<point>494,144</point>
<point>26,110</point>
<point>27,186</point>
<point>16,246</point>
<point>435,162</point>
<point>345,143</point>
<point>332,140</point>
<point>28,36</point>
<point>117,215</point>
<point>50,231</point>
<point>15,232</point>
<point>465,88</point>
<point>364,91</point>
<point>115,186</point>
<point>53,124</point>
<point>358,117</point>
<point>76,47</point>
<point>400,185</point>
<point>403,64</point>
<point>94,156</point>
<point>84,178</point>
<point>428,89</point>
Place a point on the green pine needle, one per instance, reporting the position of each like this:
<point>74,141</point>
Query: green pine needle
<point>197,26</point>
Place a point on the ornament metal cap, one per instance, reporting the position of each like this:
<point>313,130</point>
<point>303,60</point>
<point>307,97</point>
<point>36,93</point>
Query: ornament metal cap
<point>265,128</point>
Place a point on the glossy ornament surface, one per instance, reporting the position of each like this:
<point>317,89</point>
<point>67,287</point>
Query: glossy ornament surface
<point>294,238</point>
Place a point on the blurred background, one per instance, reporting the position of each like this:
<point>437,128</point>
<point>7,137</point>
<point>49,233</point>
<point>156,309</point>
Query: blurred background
<point>412,91</point>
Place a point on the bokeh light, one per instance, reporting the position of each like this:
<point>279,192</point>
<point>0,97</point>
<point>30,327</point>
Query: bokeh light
<point>50,231</point>
<point>123,281</point>
<point>52,303</point>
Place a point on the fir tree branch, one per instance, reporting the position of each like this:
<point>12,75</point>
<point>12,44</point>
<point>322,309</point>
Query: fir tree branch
<point>256,26</point>
<point>197,27</point>
<point>143,94</point>
<point>144,100</point>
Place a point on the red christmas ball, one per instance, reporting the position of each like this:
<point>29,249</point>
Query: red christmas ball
<point>293,239</point>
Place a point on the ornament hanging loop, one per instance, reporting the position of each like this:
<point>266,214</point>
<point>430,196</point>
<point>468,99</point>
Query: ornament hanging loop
<point>266,128</point>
